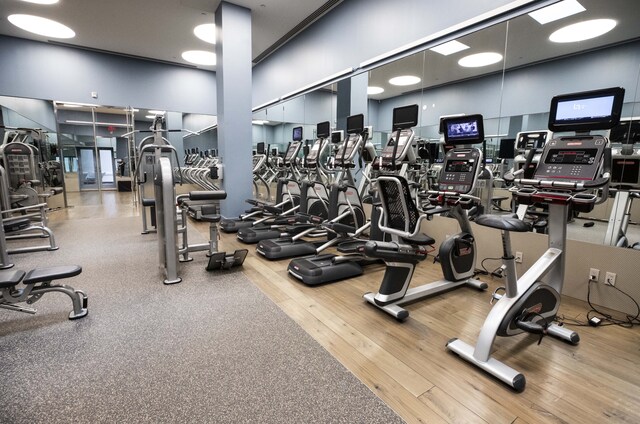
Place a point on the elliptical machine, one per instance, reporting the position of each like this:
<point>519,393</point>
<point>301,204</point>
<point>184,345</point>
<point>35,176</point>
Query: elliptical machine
<point>402,221</point>
<point>568,167</point>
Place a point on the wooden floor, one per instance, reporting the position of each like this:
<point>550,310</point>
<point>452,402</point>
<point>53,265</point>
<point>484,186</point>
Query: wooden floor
<point>407,365</point>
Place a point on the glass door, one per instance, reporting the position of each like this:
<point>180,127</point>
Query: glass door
<point>93,174</point>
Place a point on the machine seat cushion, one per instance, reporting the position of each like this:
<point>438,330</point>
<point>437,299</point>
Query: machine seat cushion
<point>9,278</point>
<point>503,222</point>
<point>420,240</point>
<point>340,228</point>
<point>15,224</point>
<point>39,275</point>
<point>210,218</point>
<point>148,202</point>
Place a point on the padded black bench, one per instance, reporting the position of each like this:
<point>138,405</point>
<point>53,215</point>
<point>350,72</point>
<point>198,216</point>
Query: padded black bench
<point>37,282</point>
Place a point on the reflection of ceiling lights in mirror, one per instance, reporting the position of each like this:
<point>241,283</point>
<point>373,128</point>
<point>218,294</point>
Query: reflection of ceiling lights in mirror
<point>480,59</point>
<point>404,80</point>
<point>206,32</point>
<point>200,57</point>
<point>584,30</point>
<point>41,26</point>
<point>42,1</point>
<point>150,116</point>
<point>259,122</point>
<point>449,48</point>
<point>157,112</point>
<point>374,90</point>
<point>557,11</point>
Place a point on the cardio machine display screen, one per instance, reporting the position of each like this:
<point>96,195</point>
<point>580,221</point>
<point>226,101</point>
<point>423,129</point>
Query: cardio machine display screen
<point>297,134</point>
<point>528,141</point>
<point>463,129</point>
<point>591,110</point>
<point>459,166</point>
<point>572,157</point>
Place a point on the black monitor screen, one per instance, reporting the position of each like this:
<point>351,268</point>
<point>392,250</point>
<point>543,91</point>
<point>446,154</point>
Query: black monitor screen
<point>355,124</point>
<point>433,151</point>
<point>336,137</point>
<point>626,132</point>
<point>323,129</point>
<point>589,110</point>
<point>297,134</point>
<point>507,148</point>
<point>274,151</point>
<point>260,148</point>
<point>463,129</point>
<point>405,117</point>
<point>625,171</point>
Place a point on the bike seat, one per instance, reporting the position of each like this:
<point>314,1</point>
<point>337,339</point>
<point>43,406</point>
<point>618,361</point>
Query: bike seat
<point>39,275</point>
<point>503,222</point>
<point>420,240</point>
<point>9,278</point>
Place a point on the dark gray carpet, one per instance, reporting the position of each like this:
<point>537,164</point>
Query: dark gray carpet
<point>212,349</point>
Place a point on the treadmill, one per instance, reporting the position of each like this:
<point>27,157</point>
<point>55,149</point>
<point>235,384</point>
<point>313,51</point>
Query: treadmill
<point>287,195</point>
<point>329,268</point>
<point>345,197</point>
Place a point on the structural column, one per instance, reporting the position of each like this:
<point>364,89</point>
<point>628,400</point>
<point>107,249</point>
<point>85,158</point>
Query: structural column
<point>234,92</point>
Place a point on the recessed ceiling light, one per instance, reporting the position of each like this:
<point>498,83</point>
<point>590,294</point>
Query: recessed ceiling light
<point>259,121</point>
<point>41,26</point>
<point>42,1</point>
<point>200,57</point>
<point>374,90</point>
<point>480,59</point>
<point>449,48</point>
<point>404,80</point>
<point>206,32</point>
<point>584,30</point>
<point>157,112</point>
<point>557,11</point>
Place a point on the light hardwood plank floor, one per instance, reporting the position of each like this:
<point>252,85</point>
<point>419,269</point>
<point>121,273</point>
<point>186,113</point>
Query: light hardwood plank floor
<point>407,365</point>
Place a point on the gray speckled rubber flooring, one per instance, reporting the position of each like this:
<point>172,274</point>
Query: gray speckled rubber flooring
<point>212,349</point>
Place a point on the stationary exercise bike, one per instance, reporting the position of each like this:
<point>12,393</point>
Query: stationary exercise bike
<point>402,221</point>
<point>569,168</point>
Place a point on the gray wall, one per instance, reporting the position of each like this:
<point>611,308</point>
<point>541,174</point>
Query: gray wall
<point>44,71</point>
<point>355,31</point>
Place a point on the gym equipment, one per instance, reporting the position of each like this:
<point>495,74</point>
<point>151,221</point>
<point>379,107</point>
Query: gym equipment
<point>569,166</point>
<point>399,152</point>
<point>209,213</point>
<point>148,150</point>
<point>36,283</point>
<point>343,206</point>
<point>312,190</point>
<point>625,182</point>
<point>287,195</point>
<point>327,268</point>
<point>457,254</point>
<point>167,222</point>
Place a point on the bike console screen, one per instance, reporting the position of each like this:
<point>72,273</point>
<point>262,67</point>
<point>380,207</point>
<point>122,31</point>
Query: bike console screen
<point>572,159</point>
<point>459,171</point>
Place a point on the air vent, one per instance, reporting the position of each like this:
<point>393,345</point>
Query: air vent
<point>298,28</point>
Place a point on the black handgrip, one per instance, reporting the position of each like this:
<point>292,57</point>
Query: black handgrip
<point>529,159</point>
<point>208,195</point>
<point>607,160</point>
<point>596,183</point>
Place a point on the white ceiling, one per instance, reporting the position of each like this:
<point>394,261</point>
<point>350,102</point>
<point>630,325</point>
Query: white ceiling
<point>155,29</point>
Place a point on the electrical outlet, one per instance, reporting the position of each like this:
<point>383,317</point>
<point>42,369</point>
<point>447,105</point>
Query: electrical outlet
<point>519,257</point>
<point>610,278</point>
<point>594,274</point>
